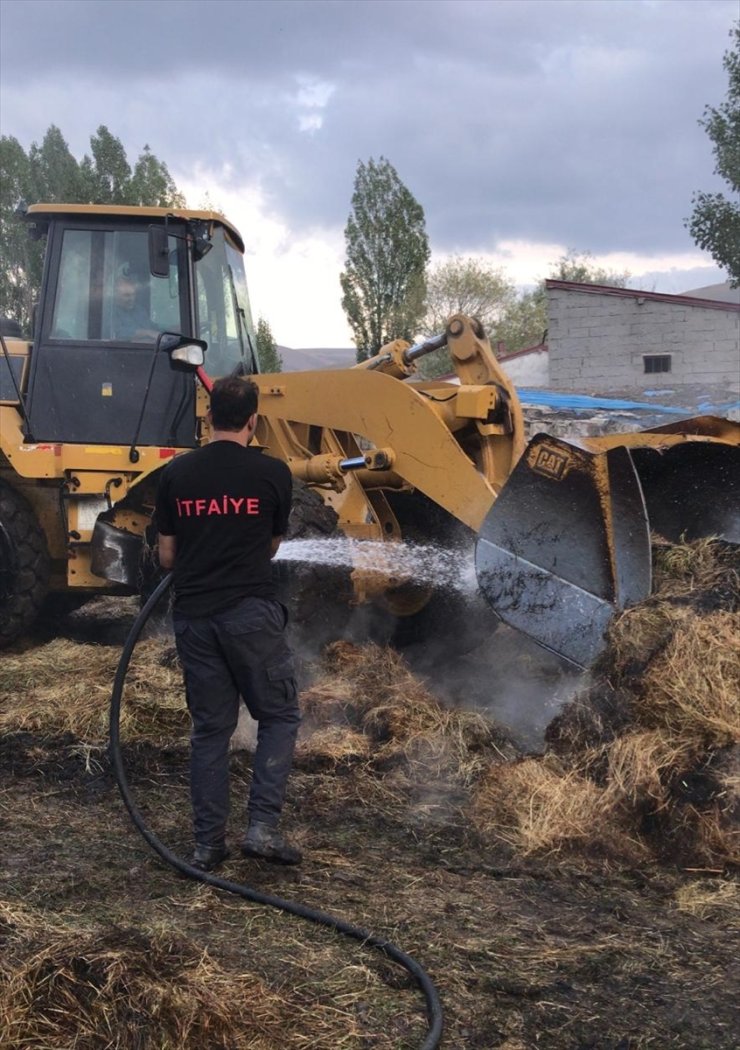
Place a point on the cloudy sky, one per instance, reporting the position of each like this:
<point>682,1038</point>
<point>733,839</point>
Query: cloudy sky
<point>523,127</point>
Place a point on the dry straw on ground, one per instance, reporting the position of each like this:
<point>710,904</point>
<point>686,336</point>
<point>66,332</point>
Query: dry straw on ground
<point>644,756</point>
<point>704,573</point>
<point>65,687</point>
<point>647,756</point>
<point>370,690</point>
<point>640,765</point>
<point>541,807</point>
<point>692,688</point>
<point>711,898</point>
<point>69,986</point>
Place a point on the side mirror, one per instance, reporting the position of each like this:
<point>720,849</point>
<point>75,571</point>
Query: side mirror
<point>185,353</point>
<point>191,354</point>
<point>159,254</point>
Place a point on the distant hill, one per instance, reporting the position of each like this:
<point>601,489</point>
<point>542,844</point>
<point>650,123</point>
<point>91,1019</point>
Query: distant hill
<point>721,293</point>
<point>316,358</point>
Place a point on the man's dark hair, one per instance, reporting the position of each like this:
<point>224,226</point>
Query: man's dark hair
<point>233,401</point>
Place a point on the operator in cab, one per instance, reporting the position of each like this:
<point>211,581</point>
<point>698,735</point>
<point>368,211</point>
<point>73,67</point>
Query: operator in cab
<point>131,320</point>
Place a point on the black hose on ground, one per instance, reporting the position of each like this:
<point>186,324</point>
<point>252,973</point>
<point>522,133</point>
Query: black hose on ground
<point>434,1007</point>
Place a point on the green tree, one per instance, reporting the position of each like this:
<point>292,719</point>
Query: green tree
<point>108,172</point>
<point>387,251</point>
<point>715,221</point>
<point>49,172</point>
<point>54,174</point>
<point>524,322</point>
<point>152,184</point>
<point>581,267</point>
<point>467,286</point>
<point>267,348</point>
<point>15,299</point>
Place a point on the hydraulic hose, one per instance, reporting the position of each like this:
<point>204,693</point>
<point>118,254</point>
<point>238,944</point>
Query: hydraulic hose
<point>431,996</point>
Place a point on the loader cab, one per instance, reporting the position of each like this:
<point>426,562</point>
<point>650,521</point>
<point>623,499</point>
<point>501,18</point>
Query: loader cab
<point>115,281</point>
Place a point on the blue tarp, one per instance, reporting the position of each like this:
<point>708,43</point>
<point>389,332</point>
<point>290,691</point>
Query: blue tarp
<point>586,403</point>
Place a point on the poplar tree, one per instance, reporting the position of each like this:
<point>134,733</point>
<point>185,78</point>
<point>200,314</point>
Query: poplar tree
<point>267,348</point>
<point>152,184</point>
<point>15,297</point>
<point>108,170</point>
<point>387,250</point>
<point>715,221</point>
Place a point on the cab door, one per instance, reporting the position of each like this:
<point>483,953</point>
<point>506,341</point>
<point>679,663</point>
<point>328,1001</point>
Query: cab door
<point>96,340</point>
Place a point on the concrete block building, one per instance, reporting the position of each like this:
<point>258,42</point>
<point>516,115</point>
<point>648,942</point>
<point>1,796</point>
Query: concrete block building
<point>605,340</point>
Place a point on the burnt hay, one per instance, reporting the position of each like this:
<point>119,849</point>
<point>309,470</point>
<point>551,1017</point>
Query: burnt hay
<point>658,728</point>
<point>645,752</point>
<point>65,984</point>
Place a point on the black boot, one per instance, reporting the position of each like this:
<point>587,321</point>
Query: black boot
<point>206,858</point>
<point>266,842</point>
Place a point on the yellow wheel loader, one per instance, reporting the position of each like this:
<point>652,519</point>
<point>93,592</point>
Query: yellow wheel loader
<point>141,307</point>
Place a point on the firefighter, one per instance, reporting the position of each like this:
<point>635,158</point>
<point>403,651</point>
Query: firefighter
<point>221,513</point>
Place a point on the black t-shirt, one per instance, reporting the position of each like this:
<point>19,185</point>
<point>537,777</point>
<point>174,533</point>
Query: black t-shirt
<point>223,503</point>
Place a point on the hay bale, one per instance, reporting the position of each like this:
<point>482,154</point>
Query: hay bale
<point>689,579</point>
<point>635,638</point>
<point>704,574</point>
<point>328,702</point>
<point>705,838</point>
<point>642,765</point>
<point>590,720</point>
<point>657,728</point>
<point>331,747</point>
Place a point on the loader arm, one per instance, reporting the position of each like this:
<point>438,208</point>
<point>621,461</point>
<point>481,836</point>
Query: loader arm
<point>420,448</point>
<point>456,442</point>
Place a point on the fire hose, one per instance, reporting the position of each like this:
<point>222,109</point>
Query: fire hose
<point>424,982</point>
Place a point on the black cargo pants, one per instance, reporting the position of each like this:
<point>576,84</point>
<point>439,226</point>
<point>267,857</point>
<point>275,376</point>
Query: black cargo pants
<point>242,651</point>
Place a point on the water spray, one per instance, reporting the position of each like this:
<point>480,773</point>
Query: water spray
<point>421,977</point>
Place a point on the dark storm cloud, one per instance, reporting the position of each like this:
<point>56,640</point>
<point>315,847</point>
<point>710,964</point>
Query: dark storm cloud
<point>566,122</point>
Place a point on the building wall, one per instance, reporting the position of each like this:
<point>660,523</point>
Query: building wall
<point>598,341</point>
<point>528,369</point>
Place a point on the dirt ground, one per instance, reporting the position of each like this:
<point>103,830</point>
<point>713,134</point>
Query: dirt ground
<point>105,947</point>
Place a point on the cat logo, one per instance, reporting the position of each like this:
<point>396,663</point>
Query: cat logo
<point>551,462</point>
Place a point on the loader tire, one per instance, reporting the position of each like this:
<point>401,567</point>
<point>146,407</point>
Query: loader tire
<point>316,595</point>
<point>451,622</point>
<point>310,517</point>
<point>24,566</point>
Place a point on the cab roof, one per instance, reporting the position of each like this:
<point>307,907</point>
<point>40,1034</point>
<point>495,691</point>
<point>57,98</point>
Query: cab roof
<point>48,211</point>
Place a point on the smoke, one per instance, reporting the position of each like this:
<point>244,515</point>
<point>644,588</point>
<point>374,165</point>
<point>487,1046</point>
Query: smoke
<point>459,648</point>
<point>509,678</point>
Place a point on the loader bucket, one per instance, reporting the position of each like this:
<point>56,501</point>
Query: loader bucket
<point>691,490</point>
<point>566,545</point>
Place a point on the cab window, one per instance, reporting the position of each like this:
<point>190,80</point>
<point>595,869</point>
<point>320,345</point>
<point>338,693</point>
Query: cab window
<point>106,293</point>
<point>223,318</point>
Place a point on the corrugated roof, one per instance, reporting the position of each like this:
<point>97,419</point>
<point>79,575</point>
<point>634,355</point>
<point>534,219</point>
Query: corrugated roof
<point>636,293</point>
<point>521,353</point>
